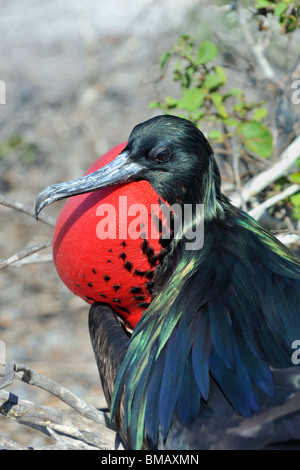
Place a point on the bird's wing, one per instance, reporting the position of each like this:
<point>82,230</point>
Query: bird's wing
<point>218,427</point>
<point>229,312</point>
<point>109,341</point>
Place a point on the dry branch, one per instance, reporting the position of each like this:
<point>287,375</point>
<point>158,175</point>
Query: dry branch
<point>289,238</point>
<point>267,177</point>
<point>83,427</point>
<point>8,444</point>
<point>33,259</point>
<point>258,211</point>
<point>25,374</point>
<point>24,253</point>
<point>81,431</point>
<point>27,209</point>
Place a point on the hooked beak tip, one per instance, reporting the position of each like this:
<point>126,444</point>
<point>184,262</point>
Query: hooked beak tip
<point>36,212</point>
<point>116,172</point>
<point>44,198</point>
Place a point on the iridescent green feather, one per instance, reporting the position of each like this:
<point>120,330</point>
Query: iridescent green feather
<point>228,277</point>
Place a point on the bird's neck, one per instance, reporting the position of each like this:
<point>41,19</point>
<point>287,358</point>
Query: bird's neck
<point>208,193</point>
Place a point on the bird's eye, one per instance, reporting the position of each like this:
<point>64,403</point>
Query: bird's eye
<point>160,154</point>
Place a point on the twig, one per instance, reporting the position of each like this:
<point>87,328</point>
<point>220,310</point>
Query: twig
<point>80,431</point>
<point>23,253</point>
<point>25,374</point>
<point>8,373</point>
<point>256,47</point>
<point>33,259</point>
<point>289,239</point>
<point>27,209</point>
<point>235,166</point>
<point>84,428</point>
<point>8,444</point>
<point>258,211</point>
<point>264,179</point>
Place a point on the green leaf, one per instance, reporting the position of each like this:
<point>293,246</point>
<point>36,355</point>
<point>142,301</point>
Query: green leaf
<point>256,137</point>
<point>192,99</point>
<point>196,115</point>
<point>290,23</point>
<point>221,74</point>
<point>231,122</point>
<point>164,58</point>
<point>295,199</point>
<point>240,108</point>
<point>215,134</point>
<point>263,4</point>
<point>217,100</point>
<point>282,181</point>
<point>155,104</point>
<point>213,81</point>
<point>296,213</point>
<point>280,8</point>
<point>187,77</point>
<point>184,40</point>
<point>295,177</point>
<point>171,102</point>
<point>234,92</point>
<point>259,114</point>
<point>206,52</point>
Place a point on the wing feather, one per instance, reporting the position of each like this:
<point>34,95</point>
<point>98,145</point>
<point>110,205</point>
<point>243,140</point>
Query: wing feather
<point>227,313</point>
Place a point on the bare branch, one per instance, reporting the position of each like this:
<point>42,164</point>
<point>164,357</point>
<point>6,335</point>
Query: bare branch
<point>264,179</point>
<point>33,259</point>
<point>27,209</point>
<point>8,373</point>
<point>25,374</point>
<point>8,444</point>
<point>258,211</point>
<point>235,166</point>
<point>80,430</point>
<point>23,253</point>
<point>257,47</point>
<point>84,427</point>
<point>289,238</point>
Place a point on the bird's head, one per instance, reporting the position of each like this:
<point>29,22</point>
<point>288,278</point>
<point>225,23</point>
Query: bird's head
<point>169,152</point>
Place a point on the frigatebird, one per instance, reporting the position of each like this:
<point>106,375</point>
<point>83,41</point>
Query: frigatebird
<point>211,361</point>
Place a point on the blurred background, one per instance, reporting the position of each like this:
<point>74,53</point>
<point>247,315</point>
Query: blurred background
<point>79,75</point>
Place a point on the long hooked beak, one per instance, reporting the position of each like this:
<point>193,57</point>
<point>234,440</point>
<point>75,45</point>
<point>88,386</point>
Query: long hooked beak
<point>120,170</point>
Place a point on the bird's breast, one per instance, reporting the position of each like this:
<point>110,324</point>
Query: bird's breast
<point>107,244</point>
